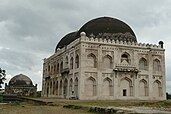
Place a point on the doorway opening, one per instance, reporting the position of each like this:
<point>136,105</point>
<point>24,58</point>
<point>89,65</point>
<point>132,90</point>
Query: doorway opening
<point>124,92</point>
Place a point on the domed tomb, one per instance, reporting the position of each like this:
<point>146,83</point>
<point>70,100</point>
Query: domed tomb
<point>20,80</point>
<point>103,27</point>
<point>21,85</point>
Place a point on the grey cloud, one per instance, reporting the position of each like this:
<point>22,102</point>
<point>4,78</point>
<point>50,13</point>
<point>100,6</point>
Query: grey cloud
<point>17,60</point>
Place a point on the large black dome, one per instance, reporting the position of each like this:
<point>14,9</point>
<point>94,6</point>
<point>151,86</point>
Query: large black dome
<point>20,80</point>
<point>103,27</point>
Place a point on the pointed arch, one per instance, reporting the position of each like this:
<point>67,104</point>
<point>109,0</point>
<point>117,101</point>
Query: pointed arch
<point>90,87</point>
<point>127,79</point>
<point>66,61</point>
<point>60,88</point>
<point>156,65</point>
<point>107,61</point>
<point>54,87</point>
<point>70,87</point>
<point>57,68</point>
<point>92,60</point>
<point>126,88</point>
<point>157,81</point>
<point>125,57</point>
<point>65,88</point>
<point>47,88</point>
<point>77,61</point>
<point>57,88</point>
<point>76,87</point>
<point>143,64</point>
<point>61,66</point>
<point>51,89</point>
<point>107,87</point>
<point>54,69</point>
<point>157,88</point>
<point>143,88</point>
<point>71,62</point>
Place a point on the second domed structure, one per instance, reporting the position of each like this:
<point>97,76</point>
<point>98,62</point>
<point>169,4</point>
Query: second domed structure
<point>21,85</point>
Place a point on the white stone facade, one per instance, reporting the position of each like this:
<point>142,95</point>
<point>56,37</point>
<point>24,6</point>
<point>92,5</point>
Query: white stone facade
<point>100,69</point>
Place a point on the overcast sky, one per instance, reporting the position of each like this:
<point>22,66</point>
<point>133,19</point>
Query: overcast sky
<point>31,29</point>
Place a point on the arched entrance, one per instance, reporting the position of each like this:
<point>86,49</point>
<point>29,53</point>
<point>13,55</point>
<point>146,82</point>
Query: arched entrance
<point>57,88</point>
<point>157,89</point>
<point>107,87</point>
<point>126,87</point>
<point>47,89</point>
<point>60,88</point>
<point>70,87</point>
<point>90,87</point>
<point>65,88</point>
<point>143,89</point>
<point>76,87</point>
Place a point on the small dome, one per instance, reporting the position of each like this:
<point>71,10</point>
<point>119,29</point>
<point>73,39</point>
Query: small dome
<point>20,80</point>
<point>67,39</point>
<point>103,27</point>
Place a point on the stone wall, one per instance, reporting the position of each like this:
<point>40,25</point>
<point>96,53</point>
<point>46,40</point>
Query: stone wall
<point>95,68</point>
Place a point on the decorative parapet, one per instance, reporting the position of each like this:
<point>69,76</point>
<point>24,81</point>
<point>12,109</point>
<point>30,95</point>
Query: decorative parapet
<point>92,39</point>
<point>105,39</point>
<point>71,45</point>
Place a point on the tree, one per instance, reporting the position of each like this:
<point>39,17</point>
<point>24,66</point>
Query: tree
<point>2,77</point>
<point>168,96</point>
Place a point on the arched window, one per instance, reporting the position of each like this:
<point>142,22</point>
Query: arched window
<point>157,89</point>
<point>90,87</point>
<point>61,66</point>
<point>143,88</point>
<point>65,88</point>
<point>107,61</point>
<point>66,61</point>
<point>77,61</point>
<point>60,88</point>
<point>54,69</point>
<point>125,58</point>
<point>51,89</point>
<point>54,88</point>
<point>107,87</point>
<point>71,63</point>
<point>57,88</point>
<point>126,88</point>
<point>92,61</point>
<point>143,64</point>
<point>70,87</point>
<point>57,68</point>
<point>76,87</point>
<point>156,65</point>
<point>47,88</point>
<point>49,68</point>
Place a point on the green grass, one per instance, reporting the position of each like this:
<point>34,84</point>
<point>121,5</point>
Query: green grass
<point>119,103</point>
<point>116,103</point>
<point>24,108</point>
<point>56,107</point>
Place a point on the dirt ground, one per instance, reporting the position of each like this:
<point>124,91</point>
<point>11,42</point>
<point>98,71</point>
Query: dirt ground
<point>108,103</point>
<point>137,106</point>
<point>31,109</point>
<point>56,106</point>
